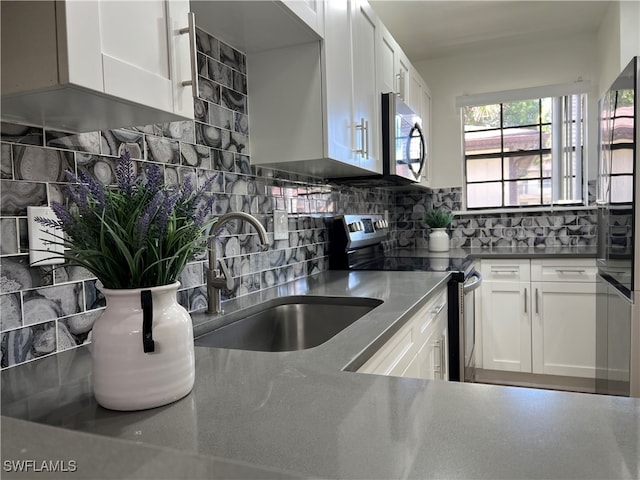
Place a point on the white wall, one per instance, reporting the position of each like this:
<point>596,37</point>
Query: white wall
<point>503,67</point>
<point>618,40</point>
<point>629,31</point>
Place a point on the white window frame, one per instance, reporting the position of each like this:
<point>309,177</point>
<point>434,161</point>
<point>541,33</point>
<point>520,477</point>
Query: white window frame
<point>559,152</point>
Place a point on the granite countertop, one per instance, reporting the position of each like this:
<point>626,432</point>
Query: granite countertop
<point>301,415</point>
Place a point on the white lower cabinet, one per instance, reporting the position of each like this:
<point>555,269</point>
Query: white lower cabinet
<point>538,316</point>
<point>564,329</point>
<point>420,348</point>
<point>506,326</point>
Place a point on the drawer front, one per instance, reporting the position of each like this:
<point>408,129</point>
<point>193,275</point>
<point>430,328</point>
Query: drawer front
<point>394,356</point>
<point>425,320</point>
<point>506,270</point>
<point>581,270</point>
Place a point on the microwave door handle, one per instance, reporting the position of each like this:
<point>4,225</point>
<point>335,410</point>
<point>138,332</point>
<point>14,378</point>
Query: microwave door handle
<point>416,173</point>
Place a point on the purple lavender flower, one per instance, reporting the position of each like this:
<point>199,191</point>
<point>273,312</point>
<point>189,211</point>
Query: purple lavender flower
<point>166,208</point>
<point>155,179</point>
<point>147,215</point>
<point>203,211</point>
<point>95,189</point>
<point>48,222</point>
<point>125,173</point>
<point>205,186</point>
<point>78,192</point>
<point>66,219</point>
<point>186,190</point>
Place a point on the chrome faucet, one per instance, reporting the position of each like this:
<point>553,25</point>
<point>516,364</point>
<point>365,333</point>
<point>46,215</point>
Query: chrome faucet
<point>215,280</point>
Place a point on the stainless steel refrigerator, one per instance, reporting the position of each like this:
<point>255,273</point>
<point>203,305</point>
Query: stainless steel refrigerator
<point>618,289</point>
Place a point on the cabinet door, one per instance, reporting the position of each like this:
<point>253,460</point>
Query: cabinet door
<point>387,53</point>
<point>310,12</point>
<point>506,326</point>
<point>366,97</point>
<point>403,66</point>
<point>430,357</point>
<point>563,328</point>
<point>395,356</point>
<point>339,77</point>
<point>415,91</point>
<point>131,50</point>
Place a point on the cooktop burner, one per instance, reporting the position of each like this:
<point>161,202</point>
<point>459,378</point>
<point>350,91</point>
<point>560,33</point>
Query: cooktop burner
<point>406,263</point>
<point>360,242</point>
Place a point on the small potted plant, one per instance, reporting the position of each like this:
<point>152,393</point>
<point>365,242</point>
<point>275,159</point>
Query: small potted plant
<point>438,221</point>
<point>136,237</point>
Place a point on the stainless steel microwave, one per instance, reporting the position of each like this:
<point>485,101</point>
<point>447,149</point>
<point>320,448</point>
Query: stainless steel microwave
<point>404,146</point>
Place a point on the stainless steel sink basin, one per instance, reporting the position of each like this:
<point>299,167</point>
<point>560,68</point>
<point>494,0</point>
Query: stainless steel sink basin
<point>289,323</point>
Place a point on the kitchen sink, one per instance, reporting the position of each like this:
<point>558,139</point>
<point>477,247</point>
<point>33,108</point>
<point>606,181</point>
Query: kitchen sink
<point>289,323</point>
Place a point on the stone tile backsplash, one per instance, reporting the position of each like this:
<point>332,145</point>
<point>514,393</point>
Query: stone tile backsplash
<point>528,228</point>
<point>44,311</point>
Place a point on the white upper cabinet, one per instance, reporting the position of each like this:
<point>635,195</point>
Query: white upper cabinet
<point>311,12</point>
<point>90,65</point>
<point>393,65</point>
<point>366,114</point>
<point>314,107</point>
<point>258,25</point>
<point>395,74</point>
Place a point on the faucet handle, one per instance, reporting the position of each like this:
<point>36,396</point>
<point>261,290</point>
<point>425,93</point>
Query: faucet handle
<point>226,274</point>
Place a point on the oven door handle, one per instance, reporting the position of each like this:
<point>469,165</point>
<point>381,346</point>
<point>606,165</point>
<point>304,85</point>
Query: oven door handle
<point>470,286</point>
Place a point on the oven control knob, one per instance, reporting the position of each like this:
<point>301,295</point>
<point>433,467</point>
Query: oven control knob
<point>380,224</point>
<point>355,226</point>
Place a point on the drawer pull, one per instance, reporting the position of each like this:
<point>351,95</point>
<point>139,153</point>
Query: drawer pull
<point>570,270</point>
<point>438,309</point>
<point>191,30</point>
<point>525,300</point>
<point>437,367</point>
<point>505,272</point>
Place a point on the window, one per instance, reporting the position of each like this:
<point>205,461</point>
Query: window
<point>524,153</point>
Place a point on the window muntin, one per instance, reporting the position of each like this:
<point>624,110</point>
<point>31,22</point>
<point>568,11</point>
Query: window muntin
<point>524,153</point>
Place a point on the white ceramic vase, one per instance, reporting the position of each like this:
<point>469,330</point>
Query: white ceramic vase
<point>439,240</point>
<point>125,377</point>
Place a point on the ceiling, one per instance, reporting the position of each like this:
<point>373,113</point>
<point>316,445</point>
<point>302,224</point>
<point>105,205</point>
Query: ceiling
<point>427,29</point>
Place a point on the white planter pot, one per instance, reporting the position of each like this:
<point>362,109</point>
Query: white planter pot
<point>439,240</point>
<point>125,377</point>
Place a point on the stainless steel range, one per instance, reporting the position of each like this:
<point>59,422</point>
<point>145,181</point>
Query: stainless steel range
<point>361,242</point>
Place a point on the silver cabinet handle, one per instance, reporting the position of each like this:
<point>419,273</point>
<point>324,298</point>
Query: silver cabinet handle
<point>437,367</point>
<point>366,138</point>
<point>191,30</point>
<point>401,89</point>
<point>443,360</point>
<point>505,272</point>
<point>570,270</point>
<point>536,301</point>
<point>438,309</point>
<point>362,126</point>
<point>525,300</point>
